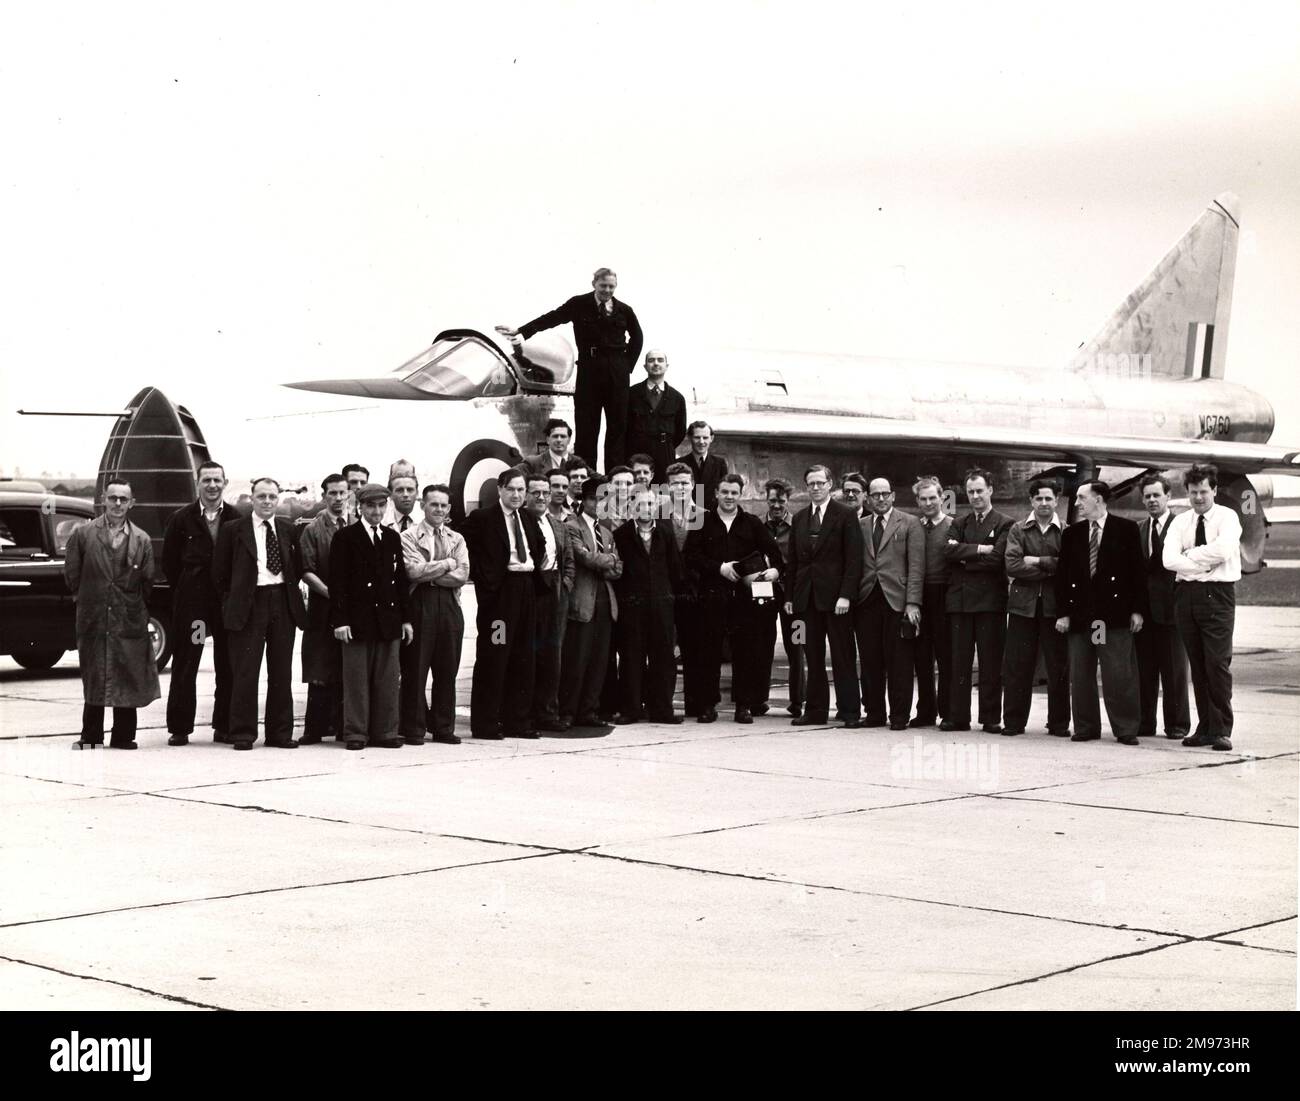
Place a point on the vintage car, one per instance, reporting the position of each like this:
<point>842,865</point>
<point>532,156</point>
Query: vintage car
<point>37,613</point>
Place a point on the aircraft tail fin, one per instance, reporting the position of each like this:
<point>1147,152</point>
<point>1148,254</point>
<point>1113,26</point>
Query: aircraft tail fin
<point>1175,323</point>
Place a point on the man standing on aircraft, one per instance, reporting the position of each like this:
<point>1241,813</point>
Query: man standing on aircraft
<point>1101,601</point>
<point>825,573</point>
<point>933,641</point>
<point>1033,552</point>
<point>656,415</point>
<point>261,608</point>
<point>437,565</point>
<point>188,543</point>
<point>1203,548</point>
<point>555,583</point>
<point>368,607</point>
<point>109,572</point>
<point>1162,660</point>
<point>707,469</point>
<point>592,610</point>
<point>609,340</point>
<point>729,552</point>
<point>322,657</point>
<point>977,604</point>
<point>505,553</point>
<point>778,492</point>
<point>558,434</point>
<point>888,607</point>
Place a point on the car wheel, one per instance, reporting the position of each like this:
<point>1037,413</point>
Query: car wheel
<point>38,659</point>
<point>162,642</point>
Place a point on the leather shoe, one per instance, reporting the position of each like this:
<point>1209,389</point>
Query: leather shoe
<point>1085,737</point>
<point>626,720</point>
<point>759,711</point>
<point>353,743</point>
<point>668,720</point>
<point>1007,732</point>
<point>179,739</point>
<point>898,726</point>
<point>992,728</point>
<point>310,739</point>
<point>495,736</point>
<point>387,743</point>
<point>1197,740</point>
<point>852,724</point>
<point>122,745</point>
<point>445,739</point>
<point>1127,739</point>
<point>948,725</point>
<point>221,737</point>
<point>1221,742</point>
<point>794,709</point>
<point>525,734</point>
<point>242,745</point>
<point>920,722</point>
<point>413,740</point>
<point>709,716</point>
<point>288,743</point>
<point>808,720</point>
<point>554,726</point>
<point>1177,734</point>
<point>744,715</point>
<point>1060,733</point>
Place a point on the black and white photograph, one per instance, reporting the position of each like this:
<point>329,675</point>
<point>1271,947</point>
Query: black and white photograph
<point>745,506</point>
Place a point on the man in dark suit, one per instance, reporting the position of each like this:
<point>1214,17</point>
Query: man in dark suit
<point>825,573</point>
<point>652,575</point>
<point>728,553</point>
<point>1161,658</point>
<point>1101,601</point>
<point>261,608</point>
<point>188,544</point>
<point>1033,553</point>
<point>888,608</point>
<point>593,607</point>
<point>777,522</point>
<point>977,604</point>
<point>609,340</point>
<point>505,556</point>
<point>322,654</point>
<point>368,608</point>
<point>686,516</point>
<point>707,469</point>
<point>933,648</point>
<point>555,576</point>
<point>656,415</point>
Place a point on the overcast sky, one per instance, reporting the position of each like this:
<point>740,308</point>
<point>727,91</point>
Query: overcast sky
<point>213,203</point>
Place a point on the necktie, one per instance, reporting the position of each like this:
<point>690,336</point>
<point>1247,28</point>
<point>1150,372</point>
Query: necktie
<point>600,539</point>
<point>377,540</point>
<point>521,549</point>
<point>816,525</point>
<point>406,523</point>
<point>654,397</point>
<point>1200,531</point>
<point>1155,564</point>
<point>273,563</point>
<point>1094,545</point>
<point>877,530</point>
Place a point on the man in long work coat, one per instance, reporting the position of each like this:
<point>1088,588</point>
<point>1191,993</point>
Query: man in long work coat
<point>109,571</point>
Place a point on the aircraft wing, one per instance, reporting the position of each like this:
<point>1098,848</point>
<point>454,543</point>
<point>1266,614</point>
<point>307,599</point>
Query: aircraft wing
<point>786,430</point>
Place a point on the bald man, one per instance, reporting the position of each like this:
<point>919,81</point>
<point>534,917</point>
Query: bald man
<point>656,414</point>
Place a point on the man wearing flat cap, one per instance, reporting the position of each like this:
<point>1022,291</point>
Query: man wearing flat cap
<point>368,593</point>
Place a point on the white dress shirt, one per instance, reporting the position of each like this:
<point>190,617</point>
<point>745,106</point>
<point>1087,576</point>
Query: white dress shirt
<point>1218,560</point>
<point>265,576</point>
<point>548,540</point>
<point>514,565</point>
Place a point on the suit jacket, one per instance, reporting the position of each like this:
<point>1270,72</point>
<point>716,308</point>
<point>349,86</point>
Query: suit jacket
<point>656,431</point>
<point>188,547</point>
<point>707,474</point>
<point>592,567</point>
<point>1160,581</point>
<point>824,569</point>
<point>899,566</point>
<point>489,549</point>
<point>234,571</point>
<point>564,560</point>
<point>710,545</point>
<point>368,585</point>
<point>592,328</point>
<point>541,462</point>
<point>648,575</point>
<point>1028,583</point>
<point>1119,587</point>
<point>314,542</point>
<point>977,583</point>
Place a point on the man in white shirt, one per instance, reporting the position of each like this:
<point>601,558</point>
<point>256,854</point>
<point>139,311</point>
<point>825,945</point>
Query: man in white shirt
<point>437,564</point>
<point>1203,548</point>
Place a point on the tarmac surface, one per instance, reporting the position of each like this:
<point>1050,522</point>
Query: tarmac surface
<point>686,867</point>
